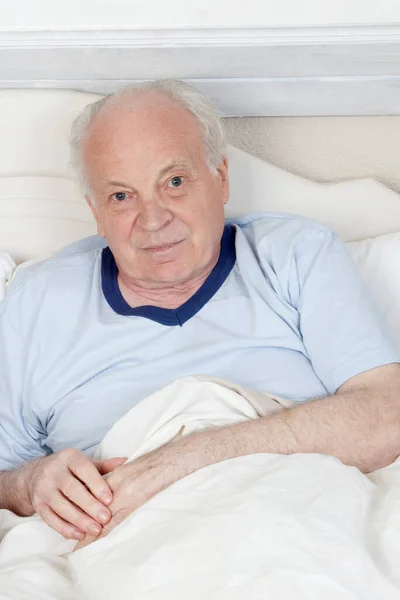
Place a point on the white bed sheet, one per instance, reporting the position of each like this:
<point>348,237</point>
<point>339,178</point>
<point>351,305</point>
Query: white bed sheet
<point>261,526</point>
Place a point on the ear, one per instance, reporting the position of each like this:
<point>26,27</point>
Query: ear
<point>100,230</point>
<point>222,171</point>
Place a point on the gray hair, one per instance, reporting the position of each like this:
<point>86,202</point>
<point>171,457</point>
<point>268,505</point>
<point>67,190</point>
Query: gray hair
<point>191,98</point>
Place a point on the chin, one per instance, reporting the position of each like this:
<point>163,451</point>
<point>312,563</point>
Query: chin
<point>169,273</point>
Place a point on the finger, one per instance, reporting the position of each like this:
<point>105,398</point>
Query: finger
<point>72,514</point>
<point>88,539</point>
<point>58,524</point>
<point>86,471</point>
<point>117,518</point>
<point>114,479</point>
<point>76,492</point>
<point>106,466</point>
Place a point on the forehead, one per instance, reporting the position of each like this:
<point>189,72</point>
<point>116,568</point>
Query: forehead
<point>144,135</point>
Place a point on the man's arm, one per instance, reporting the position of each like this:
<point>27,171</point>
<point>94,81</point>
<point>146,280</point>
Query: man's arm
<point>13,496</point>
<point>360,425</point>
<point>67,488</point>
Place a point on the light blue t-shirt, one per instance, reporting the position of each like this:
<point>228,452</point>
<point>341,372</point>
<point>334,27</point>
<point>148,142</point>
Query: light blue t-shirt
<point>283,311</point>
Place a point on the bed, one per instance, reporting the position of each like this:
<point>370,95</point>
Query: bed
<point>335,532</point>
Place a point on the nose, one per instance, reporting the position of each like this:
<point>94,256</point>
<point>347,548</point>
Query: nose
<point>153,215</point>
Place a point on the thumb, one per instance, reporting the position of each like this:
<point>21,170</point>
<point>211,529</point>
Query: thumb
<point>106,466</point>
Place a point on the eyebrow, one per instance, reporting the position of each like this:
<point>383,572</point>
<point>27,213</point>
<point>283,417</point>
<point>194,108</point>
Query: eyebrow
<point>174,165</point>
<point>164,171</point>
<point>118,184</point>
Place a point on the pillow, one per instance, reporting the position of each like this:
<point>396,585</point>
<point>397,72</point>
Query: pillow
<point>35,126</point>
<point>356,210</point>
<point>40,215</point>
<point>378,263</point>
<point>7,266</point>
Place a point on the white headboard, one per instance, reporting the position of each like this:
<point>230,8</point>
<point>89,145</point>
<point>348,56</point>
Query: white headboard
<point>42,210</point>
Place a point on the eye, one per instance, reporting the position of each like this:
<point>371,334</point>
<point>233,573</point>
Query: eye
<point>176,181</point>
<point>120,196</point>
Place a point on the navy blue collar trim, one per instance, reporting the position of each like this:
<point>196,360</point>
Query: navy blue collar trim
<point>169,316</point>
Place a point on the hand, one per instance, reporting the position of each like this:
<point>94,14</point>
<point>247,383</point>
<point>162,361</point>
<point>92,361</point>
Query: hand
<point>135,483</point>
<point>68,491</point>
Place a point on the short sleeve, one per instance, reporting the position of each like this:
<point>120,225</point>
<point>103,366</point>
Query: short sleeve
<point>19,438</point>
<point>343,331</point>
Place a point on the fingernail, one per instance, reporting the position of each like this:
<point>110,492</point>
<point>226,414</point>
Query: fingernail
<point>94,529</point>
<point>104,517</point>
<point>106,498</point>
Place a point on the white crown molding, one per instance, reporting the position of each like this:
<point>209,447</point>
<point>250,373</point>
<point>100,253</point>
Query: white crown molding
<point>352,70</point>
<point>192,36</point>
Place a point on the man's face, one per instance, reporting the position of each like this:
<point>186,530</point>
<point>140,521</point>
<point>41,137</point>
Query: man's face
<point>153,195</point>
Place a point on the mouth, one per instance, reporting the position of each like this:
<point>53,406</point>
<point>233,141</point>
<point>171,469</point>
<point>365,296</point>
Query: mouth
<point>161,248</point>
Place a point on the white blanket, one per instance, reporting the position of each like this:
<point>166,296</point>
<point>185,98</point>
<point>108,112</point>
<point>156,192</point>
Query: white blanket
<point>255,527</point>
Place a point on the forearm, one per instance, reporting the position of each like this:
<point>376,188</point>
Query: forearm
<point>13,491</point>
<point>359,428</point>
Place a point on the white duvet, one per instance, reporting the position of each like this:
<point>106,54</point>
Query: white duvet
<point>263,526</point>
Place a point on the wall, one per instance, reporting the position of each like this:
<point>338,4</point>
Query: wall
<point>324,148</point>
<point>65,14</point>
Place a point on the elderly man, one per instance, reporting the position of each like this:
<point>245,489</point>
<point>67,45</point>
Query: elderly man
<point>270,301</point>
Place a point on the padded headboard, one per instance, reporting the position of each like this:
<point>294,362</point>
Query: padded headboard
<point>41,208</point>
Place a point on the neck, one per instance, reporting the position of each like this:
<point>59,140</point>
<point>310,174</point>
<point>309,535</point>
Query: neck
<point>170,296</point>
